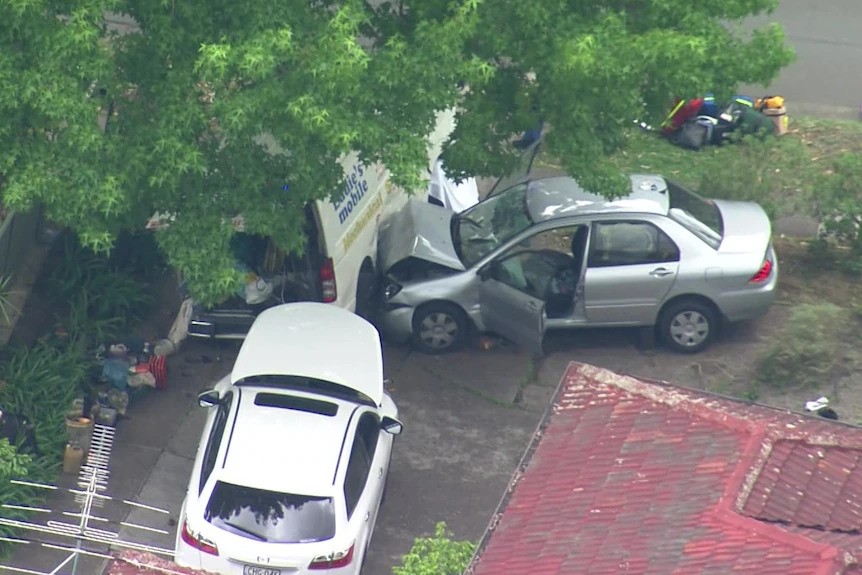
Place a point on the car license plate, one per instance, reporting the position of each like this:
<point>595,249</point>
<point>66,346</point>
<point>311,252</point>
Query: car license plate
<point>257,570</point>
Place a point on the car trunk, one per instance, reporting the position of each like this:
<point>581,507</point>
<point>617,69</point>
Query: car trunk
<point>746,228</point>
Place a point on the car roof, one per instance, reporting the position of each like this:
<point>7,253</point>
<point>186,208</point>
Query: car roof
<point>561,196</point>
<point>314,340</point>
<point>285,450</point>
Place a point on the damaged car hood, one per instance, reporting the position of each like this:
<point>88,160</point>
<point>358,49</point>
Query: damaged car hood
<point>420,230</point>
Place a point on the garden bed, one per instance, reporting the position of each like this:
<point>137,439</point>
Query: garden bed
<point>80,301</point>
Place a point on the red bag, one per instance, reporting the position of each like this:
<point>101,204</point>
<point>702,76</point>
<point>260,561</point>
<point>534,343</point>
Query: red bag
<point>682,111</point>
<point>158,366</point>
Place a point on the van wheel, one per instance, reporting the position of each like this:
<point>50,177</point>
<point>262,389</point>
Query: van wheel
<point>688,326</point>
<point>365,294</point>
<point>439,327</point>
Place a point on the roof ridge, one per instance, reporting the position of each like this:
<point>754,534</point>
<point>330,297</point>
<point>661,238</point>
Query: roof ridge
<point>753,455</point>
<point>840,558</point>
<point>706,408</point>
<point>728,509</point>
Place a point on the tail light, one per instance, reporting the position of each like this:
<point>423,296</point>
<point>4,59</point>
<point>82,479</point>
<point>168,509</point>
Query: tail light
<point>333,560</point>
<point>197,541</point>
<point>763,273</point>
<point>327,281</point>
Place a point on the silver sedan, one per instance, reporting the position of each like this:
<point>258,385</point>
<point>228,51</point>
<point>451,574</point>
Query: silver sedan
<point>546,254</point>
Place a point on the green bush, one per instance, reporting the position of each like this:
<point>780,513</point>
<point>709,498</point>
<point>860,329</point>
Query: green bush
<point>41,383</point>
<point>838,204</point>
<point>105,300</point>
<point>808,348</point>
<point>436,555</point>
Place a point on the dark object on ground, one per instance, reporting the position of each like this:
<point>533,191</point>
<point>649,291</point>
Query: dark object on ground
<point>828,413</point>
<point>754,122</point>
<point>693,125</point>
<point>691,135</point>
<point>19,431</point>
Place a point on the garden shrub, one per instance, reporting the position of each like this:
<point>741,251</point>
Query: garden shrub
<point>41,383</point>
<point>807,349</point>
<point>105,298</point>
<point>838,204</point>
<point>436,555</point>
<point>103,301</point>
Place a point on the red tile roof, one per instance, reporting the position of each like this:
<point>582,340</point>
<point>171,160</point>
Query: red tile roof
<point>140,563</point>
<point>626,476</point>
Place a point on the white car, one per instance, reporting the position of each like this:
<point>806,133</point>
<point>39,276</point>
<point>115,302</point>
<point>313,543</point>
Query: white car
<point>292,464</point>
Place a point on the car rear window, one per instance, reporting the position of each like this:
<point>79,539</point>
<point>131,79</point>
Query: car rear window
<point>701,217</point>
<point>270,515</point>
<point>296,403</point>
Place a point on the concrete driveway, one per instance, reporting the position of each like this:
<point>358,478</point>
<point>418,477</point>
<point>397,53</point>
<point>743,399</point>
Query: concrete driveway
<point>468,418</point>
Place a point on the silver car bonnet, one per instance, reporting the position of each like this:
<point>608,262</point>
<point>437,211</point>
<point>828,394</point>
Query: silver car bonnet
<point>419,230</point>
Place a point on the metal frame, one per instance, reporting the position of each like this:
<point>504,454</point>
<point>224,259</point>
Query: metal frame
<point>92,483</point>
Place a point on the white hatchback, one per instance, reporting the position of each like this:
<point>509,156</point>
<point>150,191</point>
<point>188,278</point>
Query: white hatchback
<point>293,461</point>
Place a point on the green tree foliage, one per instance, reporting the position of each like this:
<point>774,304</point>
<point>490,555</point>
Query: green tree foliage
<point>589,67</point>
<point>436,555</point>
<point>191,91</point>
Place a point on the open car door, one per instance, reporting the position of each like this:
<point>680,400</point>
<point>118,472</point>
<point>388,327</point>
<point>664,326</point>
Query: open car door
<point>512,313</point>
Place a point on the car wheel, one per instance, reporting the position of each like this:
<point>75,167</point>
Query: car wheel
<point>365,294</point>
<point>688,326</point>
<point>439,327</point>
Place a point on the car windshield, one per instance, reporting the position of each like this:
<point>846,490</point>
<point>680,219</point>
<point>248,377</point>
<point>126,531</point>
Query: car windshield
<point>269,515</point>
<point>701,217</point>
<point>481,229</point>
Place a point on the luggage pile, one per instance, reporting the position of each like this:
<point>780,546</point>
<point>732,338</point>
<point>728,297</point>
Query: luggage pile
<point>699,122</point>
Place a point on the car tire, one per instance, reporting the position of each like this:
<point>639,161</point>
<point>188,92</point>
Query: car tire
<point>439,327</point>
<point>365,287</point>
<point>688,326</point>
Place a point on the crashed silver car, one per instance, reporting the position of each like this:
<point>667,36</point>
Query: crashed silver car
<point>545,254</point>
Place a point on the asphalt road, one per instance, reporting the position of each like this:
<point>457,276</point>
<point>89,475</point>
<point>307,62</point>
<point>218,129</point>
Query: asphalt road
<point>826,78</point>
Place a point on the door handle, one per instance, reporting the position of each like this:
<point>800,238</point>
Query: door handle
<point>380,472</point>
<point>532,305</point>
<point>660,272</point>
<point>367,515</point>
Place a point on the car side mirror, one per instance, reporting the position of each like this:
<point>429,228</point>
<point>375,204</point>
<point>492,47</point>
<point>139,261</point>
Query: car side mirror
<point>484,273</point>
<point>391,425</point>
<point>209,398</point>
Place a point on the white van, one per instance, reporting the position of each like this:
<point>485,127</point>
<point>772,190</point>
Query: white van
<point>339,264</point>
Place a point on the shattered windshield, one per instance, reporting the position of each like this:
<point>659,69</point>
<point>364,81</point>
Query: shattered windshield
<point>481,229</point>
